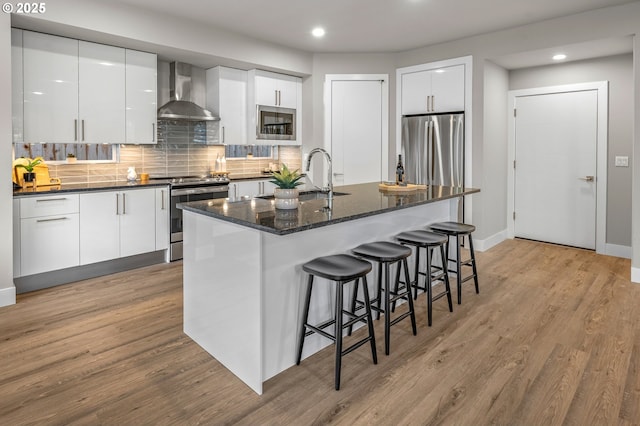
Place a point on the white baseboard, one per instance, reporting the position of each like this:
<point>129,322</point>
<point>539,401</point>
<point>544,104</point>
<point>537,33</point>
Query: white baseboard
<point>487,243</point>
<point>618,251</point>
<point>635,275</point>
<point>7,296</point>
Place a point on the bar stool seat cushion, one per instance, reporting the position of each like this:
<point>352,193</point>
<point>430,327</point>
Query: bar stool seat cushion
<point>382,251</point>
<point>452,228</point>
<point>424,238</point>
<point>339,267</point>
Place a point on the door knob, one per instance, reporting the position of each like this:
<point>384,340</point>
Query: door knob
<point>588,178</point>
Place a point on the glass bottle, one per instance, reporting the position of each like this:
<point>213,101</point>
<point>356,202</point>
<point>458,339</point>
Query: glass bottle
<point>399,171</point>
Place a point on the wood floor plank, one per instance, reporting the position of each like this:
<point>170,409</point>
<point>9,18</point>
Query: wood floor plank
<point>552,338</point>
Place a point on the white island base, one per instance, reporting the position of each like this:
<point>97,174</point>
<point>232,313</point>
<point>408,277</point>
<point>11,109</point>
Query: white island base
<point>244,288</point>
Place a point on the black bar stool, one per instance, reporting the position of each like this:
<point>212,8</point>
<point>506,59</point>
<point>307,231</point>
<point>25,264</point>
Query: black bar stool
<point>342,269</point>
<point>432,273</point>
<point>386,253</point>
<point>459,230</point>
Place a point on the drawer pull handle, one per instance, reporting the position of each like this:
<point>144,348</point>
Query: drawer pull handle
<point>50,199</point>
<point>51,220</point>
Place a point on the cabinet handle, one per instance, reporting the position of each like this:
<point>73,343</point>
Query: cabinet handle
<point>276,92</point>
<point>117,203</point>
<point>124,203</point>
<point>162,204</point>
<point>153,132</point>
<point>279,98</point>
<point>75,129</point>
<point>50,199</point>
<point>222,134</point>
<point>51,220</point>
<point>82,130</point>
<point>433,103</point>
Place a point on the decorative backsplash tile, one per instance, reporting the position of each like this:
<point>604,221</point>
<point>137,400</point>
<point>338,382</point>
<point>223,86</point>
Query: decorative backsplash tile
<point>183,149</point>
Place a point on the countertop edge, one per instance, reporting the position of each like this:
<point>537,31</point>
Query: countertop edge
<point>91,187</point>
<point>183,206</point>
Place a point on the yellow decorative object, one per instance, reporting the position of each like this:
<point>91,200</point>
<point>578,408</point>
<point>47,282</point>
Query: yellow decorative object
<point>41,170</point>
<point>393,187</point>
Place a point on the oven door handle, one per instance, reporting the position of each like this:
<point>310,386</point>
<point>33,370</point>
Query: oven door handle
<point>204,190</point>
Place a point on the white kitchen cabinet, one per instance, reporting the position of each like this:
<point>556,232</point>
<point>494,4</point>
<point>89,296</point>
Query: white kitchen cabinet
<point>16,85</point>
<point>16,238</point>
<point>50,88</point>
<point>227,98</point>
<point>82,92</point>
<point>251,188</point>
<point>101,84</point>
<point>117,224</point>
<point>141,97</point>
<point>277,90</point>
<point>162,218</point>
<point>273,90</point>
<point>49,233</point>
<point>433,91</point>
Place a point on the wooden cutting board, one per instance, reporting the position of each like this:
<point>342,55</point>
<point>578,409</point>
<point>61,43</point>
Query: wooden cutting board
<point>393,187</point>
<point>41,171</point>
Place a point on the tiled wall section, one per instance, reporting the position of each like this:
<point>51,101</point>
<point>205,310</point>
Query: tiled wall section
<point>181,151</point>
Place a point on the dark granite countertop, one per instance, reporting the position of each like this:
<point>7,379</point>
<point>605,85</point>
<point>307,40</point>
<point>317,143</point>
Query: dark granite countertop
<point>361,200</point>
<point>87,187</point>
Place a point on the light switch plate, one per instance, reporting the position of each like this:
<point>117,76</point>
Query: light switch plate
<point>622,161</point>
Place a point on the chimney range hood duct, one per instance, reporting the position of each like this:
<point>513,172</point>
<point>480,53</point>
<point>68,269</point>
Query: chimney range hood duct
<point>180,106</point>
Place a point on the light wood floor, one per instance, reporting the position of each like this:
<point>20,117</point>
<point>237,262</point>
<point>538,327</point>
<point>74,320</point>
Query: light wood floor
<point>553,338</point>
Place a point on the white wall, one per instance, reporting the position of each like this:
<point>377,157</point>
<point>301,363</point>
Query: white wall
<point>618,70</point>
<point>169,36</point>
<point>620,21</point>
<point>492,200</point>
<point>7,290</point>
<point>313,90</point>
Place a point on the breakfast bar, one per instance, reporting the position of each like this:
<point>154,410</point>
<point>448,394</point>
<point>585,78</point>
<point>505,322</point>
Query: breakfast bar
<point>243,281</point>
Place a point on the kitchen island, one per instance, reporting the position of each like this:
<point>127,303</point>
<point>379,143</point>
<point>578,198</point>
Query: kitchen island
<point>243,279</point>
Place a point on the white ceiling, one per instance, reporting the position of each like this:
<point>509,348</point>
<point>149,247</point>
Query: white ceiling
<point>368,25</point>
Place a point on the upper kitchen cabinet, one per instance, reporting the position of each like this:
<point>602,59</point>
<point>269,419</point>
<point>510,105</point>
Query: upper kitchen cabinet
<point>50,88</point>
<point>276,90</point>
<point>227,98</point>
<point>433,91</point>
<point>81,92</point>
<point>101,93</point>
<point>141,97</point>
<point>16,85</point>
<point>274,108</point>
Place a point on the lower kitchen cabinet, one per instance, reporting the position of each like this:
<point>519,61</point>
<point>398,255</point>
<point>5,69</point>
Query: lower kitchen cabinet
<point>251,188</point>
<point>49,233</point>
<point>117,224</point>
<point>162,218</point>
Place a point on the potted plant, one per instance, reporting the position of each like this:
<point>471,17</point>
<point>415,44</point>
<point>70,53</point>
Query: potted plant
<point>286,193</point>
<point>71,158</point>
<point>29,175</point>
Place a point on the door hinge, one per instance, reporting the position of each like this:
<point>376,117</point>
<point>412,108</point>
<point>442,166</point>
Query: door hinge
<point>514,215</point>
<point>514,112</point>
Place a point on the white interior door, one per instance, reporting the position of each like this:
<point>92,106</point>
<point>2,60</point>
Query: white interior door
<point>358,130</point>
<point>555,174</point>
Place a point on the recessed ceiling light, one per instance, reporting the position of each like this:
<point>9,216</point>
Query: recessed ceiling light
<point>559,57</point>
<point>318,32</point>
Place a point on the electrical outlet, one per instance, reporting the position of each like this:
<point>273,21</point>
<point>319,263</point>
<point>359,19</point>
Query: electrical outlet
<point>622,161</point>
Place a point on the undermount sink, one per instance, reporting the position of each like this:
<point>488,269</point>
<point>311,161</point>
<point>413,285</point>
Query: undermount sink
<point>308,195</point>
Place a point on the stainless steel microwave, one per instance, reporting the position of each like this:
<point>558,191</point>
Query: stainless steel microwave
<point>275,123</point>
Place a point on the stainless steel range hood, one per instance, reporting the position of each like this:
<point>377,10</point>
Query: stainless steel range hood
<point>180,106</point>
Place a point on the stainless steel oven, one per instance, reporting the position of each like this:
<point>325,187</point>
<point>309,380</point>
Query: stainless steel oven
<point>276,123</point>
<point>185,192</point>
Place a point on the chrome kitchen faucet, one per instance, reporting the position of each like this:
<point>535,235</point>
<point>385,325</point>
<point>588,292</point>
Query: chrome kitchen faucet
<point>329,187</point>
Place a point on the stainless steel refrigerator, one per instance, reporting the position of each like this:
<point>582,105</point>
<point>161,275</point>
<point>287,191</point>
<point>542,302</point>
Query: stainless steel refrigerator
<point>433,149</point>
